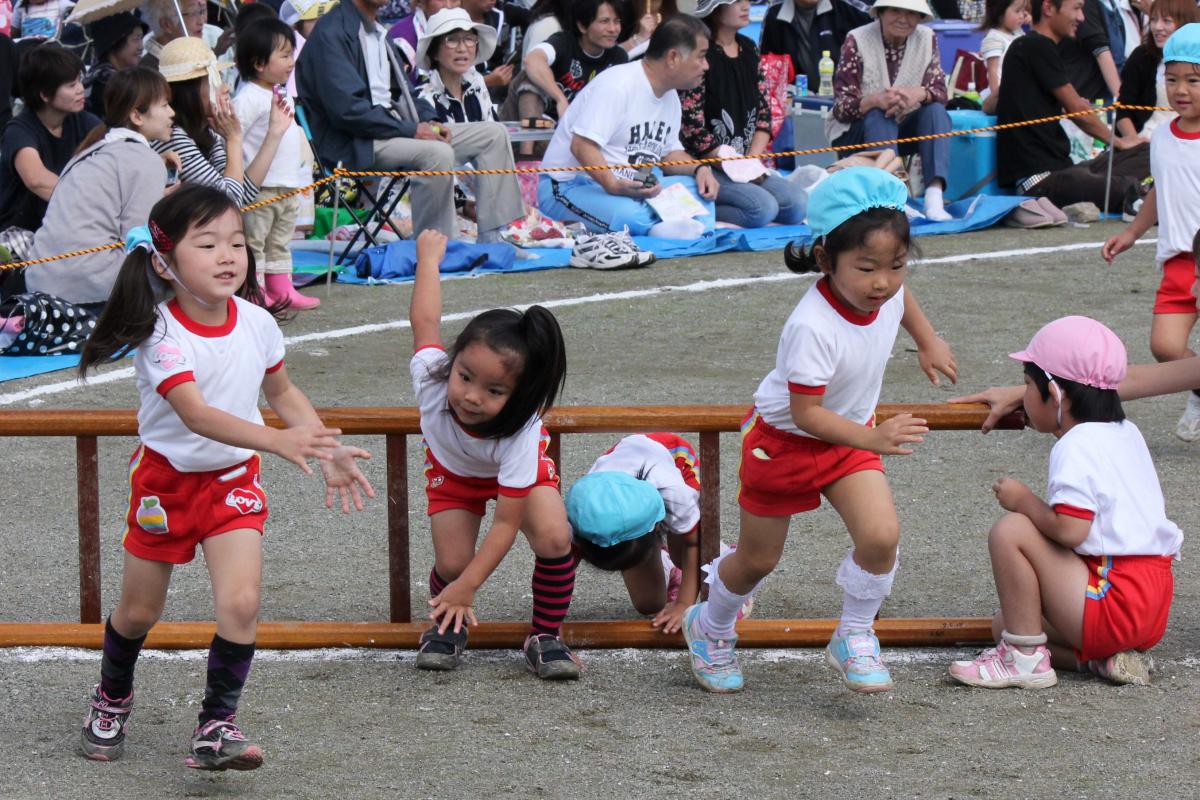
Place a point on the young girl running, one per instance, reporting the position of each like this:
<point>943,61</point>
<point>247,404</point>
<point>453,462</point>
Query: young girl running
<point>201,358</point>
<point>811,429</point>
<point>481,405</point>
<point>1174,204</point>
<point>1084,578</point>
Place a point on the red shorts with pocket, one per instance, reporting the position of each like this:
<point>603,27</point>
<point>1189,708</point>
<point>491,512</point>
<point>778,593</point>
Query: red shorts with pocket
<point>447,491</point>
<point>170,512</point>
<point>1174,295</point>
<point>1127,603</point>
<point>783,474</point>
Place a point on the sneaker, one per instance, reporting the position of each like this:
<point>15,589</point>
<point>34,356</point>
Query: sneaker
<point>105,724</point>
<point>549,658</point>
<point>1188,428</point>
<point>219,744</point>
<point>441,651</point>
<point>602,251</point>
<point>645,257</point>
<point>1128,667</point>
<point>713,661</point>
<point>1132,202</point>
<point>856,658</point>
<point>1005,666</point>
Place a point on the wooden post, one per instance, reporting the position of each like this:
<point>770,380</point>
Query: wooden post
<point>87,476</point>
<point>399,584</point>
<point>710,499</point>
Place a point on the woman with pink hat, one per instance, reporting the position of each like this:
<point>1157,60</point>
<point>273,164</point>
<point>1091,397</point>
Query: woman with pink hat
<point>1084,577</point>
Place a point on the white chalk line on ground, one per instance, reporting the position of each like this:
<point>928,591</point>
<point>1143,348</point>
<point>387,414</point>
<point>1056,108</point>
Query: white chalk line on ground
<point>605,297</point>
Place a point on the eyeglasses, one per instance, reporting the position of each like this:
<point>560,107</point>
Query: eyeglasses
<point>467,40</point>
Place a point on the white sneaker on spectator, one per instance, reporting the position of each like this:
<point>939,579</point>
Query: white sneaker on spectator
<point>1188,428</point>
<point>645,257</point>
<point>603,251</point>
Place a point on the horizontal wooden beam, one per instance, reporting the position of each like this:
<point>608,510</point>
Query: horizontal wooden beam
<point>565,419</point>
<point>927,632</point>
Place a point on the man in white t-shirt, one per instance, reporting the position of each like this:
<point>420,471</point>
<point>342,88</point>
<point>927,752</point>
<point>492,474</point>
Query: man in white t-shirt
<point>630,114</point>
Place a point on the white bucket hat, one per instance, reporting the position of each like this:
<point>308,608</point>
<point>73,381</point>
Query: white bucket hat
<point>449,20</point>
<point>919,6</point>
<point>706,7</point>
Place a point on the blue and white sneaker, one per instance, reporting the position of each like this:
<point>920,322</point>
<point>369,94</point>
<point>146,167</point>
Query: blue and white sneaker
<point>856,658</point>
<point>713,661</point>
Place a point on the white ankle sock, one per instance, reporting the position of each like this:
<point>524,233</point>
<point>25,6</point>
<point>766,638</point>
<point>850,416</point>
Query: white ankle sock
<point>934,206</point>
<point>863,594</point>
<point>678,229</point>
<point>720,612</point>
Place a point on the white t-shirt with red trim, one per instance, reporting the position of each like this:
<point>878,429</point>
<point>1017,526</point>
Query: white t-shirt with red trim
<point>829,349</point>
<point>227,362</point>
<point>1102,471</point>
<point>1175,165</point>
<point>651,461</point>
<point>512,460</point>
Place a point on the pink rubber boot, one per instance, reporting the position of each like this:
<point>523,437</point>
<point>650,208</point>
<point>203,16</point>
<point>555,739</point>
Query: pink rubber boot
<point>279,287</point>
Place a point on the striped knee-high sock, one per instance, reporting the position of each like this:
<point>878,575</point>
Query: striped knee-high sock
<point>228,666</point>
<point>436,583</point>
<point>553,585</point>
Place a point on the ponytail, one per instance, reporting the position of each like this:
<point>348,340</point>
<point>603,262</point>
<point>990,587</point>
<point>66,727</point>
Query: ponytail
<point>128,317</point>
<point>799,259</point>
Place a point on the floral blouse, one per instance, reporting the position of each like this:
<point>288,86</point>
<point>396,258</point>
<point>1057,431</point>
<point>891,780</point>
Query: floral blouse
<point>730,106</point>
<point>847,81</point>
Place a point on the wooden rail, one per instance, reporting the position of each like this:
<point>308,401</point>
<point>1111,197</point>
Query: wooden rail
<point>396,424</point>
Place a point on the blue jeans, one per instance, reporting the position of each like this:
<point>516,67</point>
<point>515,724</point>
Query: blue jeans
<point>929,118</point>
<point>584,200</point>
<point>755,205</point>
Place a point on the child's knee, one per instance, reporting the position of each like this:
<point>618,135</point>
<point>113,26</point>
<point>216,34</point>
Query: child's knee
<point>136,619</point>
<point>239,606</point>
<point>553,541</point>
<point>1167,349</point>
<point>1008,532</point>
<point>878,542</point>
<point>648,605</point>
<point>751,565</point>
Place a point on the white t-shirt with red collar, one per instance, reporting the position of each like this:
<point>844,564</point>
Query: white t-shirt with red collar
<point>512,460</point>
<point>651,461</point>
<point>227,362</point>
<point>1175,165</point>
<point>1102,471</point>
<point>830,349</point>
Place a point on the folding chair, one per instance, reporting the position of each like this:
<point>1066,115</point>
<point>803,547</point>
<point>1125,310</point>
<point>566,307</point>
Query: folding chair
<point>382,203</point>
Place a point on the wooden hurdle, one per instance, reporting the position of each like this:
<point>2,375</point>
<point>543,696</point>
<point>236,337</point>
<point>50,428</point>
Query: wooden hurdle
<point>395,425</point>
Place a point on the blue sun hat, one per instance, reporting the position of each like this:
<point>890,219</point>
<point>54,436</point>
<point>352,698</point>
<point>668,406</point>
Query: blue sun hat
<point>1184,45</point>
<point>608,508</point>
<point>849,192</point>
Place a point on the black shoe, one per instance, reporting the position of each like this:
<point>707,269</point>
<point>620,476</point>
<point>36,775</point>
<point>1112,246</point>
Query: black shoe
<point>549,658</point>
<point>1134,196</point>
<point>441,651</point>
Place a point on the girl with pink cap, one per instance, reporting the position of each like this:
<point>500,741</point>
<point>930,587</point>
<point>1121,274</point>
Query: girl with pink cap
<point>1084,577</point>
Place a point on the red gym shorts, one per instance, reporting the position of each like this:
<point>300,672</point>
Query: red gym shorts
<point>1128,599</point>
<point>170,512</point>
<point>1174,295</point>
<point>447,491</point>
<point>783,474</point>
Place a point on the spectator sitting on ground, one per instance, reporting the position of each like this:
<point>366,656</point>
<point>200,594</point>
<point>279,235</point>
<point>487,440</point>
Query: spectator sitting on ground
<point>1002,24</point>
<point>448,51</point>
<point>106,190</point>
<point>890,84</point>
<point>630,114</point>
<point>163,18</point>
<point>729,113</point>
<point>39,141</point>
<point>409,30</point>
<point>116,44</point>
<point>207,135</point>
<point>804,29</point>
<point>1036,159</point>
<point>363,114</point>
<point>1143,82</point>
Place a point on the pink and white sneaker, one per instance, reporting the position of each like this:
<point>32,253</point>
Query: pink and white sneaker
<point>1005,666</point>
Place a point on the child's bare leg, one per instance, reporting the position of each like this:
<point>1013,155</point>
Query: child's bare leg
<point>234,562</point>
<point>864,501</point>
<point>455,533</point>
<point>1169,335</point>
<point>143,596</point>
<point>646,584</point>
<point>760,544</point>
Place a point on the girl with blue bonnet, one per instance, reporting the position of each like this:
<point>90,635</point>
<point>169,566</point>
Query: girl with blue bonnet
<point>812,431</point>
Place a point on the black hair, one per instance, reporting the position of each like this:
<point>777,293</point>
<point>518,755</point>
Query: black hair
<point>994,13</point>
<point>258,41</point>
<point>1196,247</point>
<point>128,90</point>
<point>190,115</point>
<point>681,32</point>
<point>584,13</point>
<point>559,9</point>
<point>535,340</point>
<point>43,70</point>
<point>1035,8</point>
<point>622,555</point>
<point>852,233</point>
<point>1088,404</point>
<point>131,311</point>
<point>249,13</point>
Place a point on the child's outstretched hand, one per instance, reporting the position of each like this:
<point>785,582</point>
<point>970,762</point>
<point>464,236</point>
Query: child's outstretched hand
<point>453,607</point>
<point>902,429</point>
<point>1010,492</point>
<point>1115,245</point>
<point>431,246</point>
<point>670,619</point>
<point>936,357</point>
<point>343,477</point>
<point>302,442</point>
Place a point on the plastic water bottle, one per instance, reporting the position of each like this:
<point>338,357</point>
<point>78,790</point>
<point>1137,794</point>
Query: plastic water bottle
<point>971,93</point>
<point>1098,145</point>
<point>825,69</point>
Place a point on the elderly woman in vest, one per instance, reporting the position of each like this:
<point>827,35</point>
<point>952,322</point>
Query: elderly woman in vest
<point>890,84</point>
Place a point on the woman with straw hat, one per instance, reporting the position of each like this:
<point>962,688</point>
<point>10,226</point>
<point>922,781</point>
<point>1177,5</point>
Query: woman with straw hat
<point>207,135</point>
<point>889,84</point>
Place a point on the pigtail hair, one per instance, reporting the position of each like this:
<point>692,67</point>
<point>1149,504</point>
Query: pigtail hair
<point>546,356</point>
<point>129,315</point>
<point>798,259</point>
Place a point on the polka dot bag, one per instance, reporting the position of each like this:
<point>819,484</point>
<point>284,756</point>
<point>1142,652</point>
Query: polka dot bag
<point>52,326</point>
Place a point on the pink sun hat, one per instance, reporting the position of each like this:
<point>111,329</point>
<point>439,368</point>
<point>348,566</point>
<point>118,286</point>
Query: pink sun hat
<point>1079,349</point>
<point>740,170</point>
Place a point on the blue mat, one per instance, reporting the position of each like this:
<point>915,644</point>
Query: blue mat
<point>14,367</point>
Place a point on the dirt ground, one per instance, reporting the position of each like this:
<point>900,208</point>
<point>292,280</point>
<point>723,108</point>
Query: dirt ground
<point>366,724</point>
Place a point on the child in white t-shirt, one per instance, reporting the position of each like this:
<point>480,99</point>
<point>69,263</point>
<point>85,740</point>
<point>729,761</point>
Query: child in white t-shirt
<point>1002,25</point>
<point>201,358</point>
<point>265,58</point>
<point>1084,577</point>
<point>812,433</point>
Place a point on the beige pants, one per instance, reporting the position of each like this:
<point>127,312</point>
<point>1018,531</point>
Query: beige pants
<point>485,145</point>
<point>269,230</point>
